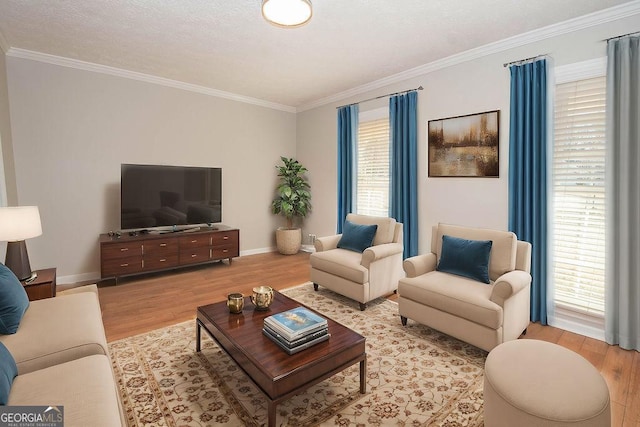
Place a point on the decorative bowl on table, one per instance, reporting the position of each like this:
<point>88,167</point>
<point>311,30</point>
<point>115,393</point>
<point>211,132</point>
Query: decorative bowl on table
<point>235,302</point>
<point>262,297</point>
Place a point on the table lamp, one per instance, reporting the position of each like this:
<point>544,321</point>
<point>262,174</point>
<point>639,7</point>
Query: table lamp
<point>18,223</point>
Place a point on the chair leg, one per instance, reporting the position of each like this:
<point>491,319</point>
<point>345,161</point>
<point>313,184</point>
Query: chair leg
<point>403,320</point>
<point>315,286</point>
<point>362,306</point>
<point>524,332</point>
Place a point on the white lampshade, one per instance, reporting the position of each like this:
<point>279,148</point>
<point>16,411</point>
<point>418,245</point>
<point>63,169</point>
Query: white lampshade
<point>19,223</point>
<point>287,13</point>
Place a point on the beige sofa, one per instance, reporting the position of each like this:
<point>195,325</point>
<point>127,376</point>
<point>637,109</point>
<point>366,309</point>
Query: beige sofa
<point>62,357</point>
<point>360,276</point>
<point>484,315</point>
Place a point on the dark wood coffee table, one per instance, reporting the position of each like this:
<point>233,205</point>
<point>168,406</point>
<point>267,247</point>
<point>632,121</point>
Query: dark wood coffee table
<point>278,375</point>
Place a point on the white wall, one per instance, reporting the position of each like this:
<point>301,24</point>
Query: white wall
<point>474,86</point>
<point>72,129</point>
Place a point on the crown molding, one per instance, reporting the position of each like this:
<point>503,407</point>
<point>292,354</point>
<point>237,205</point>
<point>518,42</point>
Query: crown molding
<point>4,46</point>
<point>118,72</point>
<point>607,15</point>
<point>575,24</point>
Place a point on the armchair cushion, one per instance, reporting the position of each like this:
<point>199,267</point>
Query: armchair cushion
<point>386,226</point>
<point>342,263</point>
<point>357,237</point>
<point>8,372</point>
<point>458,296</point>
<point>13,301</point>
<point>467,258</point>
<point>503,248</point>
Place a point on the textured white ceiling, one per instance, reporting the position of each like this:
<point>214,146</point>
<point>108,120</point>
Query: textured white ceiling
<point>226,45</point>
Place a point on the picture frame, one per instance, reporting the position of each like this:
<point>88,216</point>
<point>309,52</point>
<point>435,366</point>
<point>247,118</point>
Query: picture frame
<point>464,146</point>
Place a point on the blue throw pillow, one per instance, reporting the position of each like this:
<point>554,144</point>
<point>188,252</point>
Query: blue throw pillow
<point>13,301</point>
<point>8,371</point>
<point>468,258</point>
<point>357,237</point>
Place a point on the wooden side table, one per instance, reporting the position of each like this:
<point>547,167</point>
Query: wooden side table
<point>44,286</point>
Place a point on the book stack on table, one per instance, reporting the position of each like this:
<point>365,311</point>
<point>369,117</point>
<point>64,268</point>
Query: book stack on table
<point>296,329</point>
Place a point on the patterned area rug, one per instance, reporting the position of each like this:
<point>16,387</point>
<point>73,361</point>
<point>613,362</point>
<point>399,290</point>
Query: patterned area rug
<point>415,376</point>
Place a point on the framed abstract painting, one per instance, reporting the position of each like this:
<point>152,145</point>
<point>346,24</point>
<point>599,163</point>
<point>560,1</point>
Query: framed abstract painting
<point>464,146</point>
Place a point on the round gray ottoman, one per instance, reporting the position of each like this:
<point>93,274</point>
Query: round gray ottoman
<point>535,383</point>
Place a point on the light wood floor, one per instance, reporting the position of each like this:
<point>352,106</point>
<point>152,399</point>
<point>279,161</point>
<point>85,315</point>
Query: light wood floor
<point>138,305</point>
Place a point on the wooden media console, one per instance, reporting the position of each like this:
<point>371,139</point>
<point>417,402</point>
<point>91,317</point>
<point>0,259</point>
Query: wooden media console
<point>144,253</point>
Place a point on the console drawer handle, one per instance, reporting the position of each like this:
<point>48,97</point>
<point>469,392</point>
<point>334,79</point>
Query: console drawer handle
<point>124,265</point>
<point>163,260</point>
<point>194,241</point>
<point>225,251</point>
<point>194,255</point>
<point>225,238</point>
<point>162,245</point>
<point>124,249</point>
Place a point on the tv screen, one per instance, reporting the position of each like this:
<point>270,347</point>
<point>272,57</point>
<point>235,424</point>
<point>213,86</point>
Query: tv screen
<point>159,196</point>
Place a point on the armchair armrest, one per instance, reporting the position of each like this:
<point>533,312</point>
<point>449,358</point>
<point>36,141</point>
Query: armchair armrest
<point>328,242</point>
<point>419,264</point>
<point>374,253</point>
<point>509,284</point>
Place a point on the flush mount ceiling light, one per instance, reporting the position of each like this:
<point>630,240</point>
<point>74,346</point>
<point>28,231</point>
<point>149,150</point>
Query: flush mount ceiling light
<point>287,13</point>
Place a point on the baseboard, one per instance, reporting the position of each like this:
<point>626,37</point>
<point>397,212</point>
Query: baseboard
<point>78,278</point>
<point>258,251</point>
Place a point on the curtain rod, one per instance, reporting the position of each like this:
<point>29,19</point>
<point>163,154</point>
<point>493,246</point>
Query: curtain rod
<point>522,61</point>
<point>381,96</point>
<point>619,37</point>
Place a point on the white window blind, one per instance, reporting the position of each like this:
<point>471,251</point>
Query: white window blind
<point>372,188</point>
<point>578,179</point>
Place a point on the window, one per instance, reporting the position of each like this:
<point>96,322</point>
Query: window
<point>578,187</point>
<point>372,187</point>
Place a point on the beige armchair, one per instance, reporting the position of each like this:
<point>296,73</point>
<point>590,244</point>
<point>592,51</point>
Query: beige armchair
<point>360,276</point>
<point>482,314</point>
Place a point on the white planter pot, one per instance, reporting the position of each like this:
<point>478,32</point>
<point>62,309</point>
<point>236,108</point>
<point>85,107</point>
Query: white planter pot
<point>288,241</point>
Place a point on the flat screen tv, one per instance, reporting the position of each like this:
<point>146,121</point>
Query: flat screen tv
<point>176,196</point>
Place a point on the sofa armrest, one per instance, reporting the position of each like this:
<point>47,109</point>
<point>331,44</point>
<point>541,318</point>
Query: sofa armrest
<point>377,252</point>
<point>420,264</point>
<point>508,285</point>
<point>328,242</point>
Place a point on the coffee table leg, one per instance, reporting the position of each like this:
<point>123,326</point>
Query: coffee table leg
<point>271,409</point>
<point>363,375</point>
<point>198,333</point>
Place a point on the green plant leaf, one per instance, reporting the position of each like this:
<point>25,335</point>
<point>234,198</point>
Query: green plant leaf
<point>293,196</point>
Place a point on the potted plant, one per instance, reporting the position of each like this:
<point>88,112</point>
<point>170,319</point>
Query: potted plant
<point>293,200</point>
